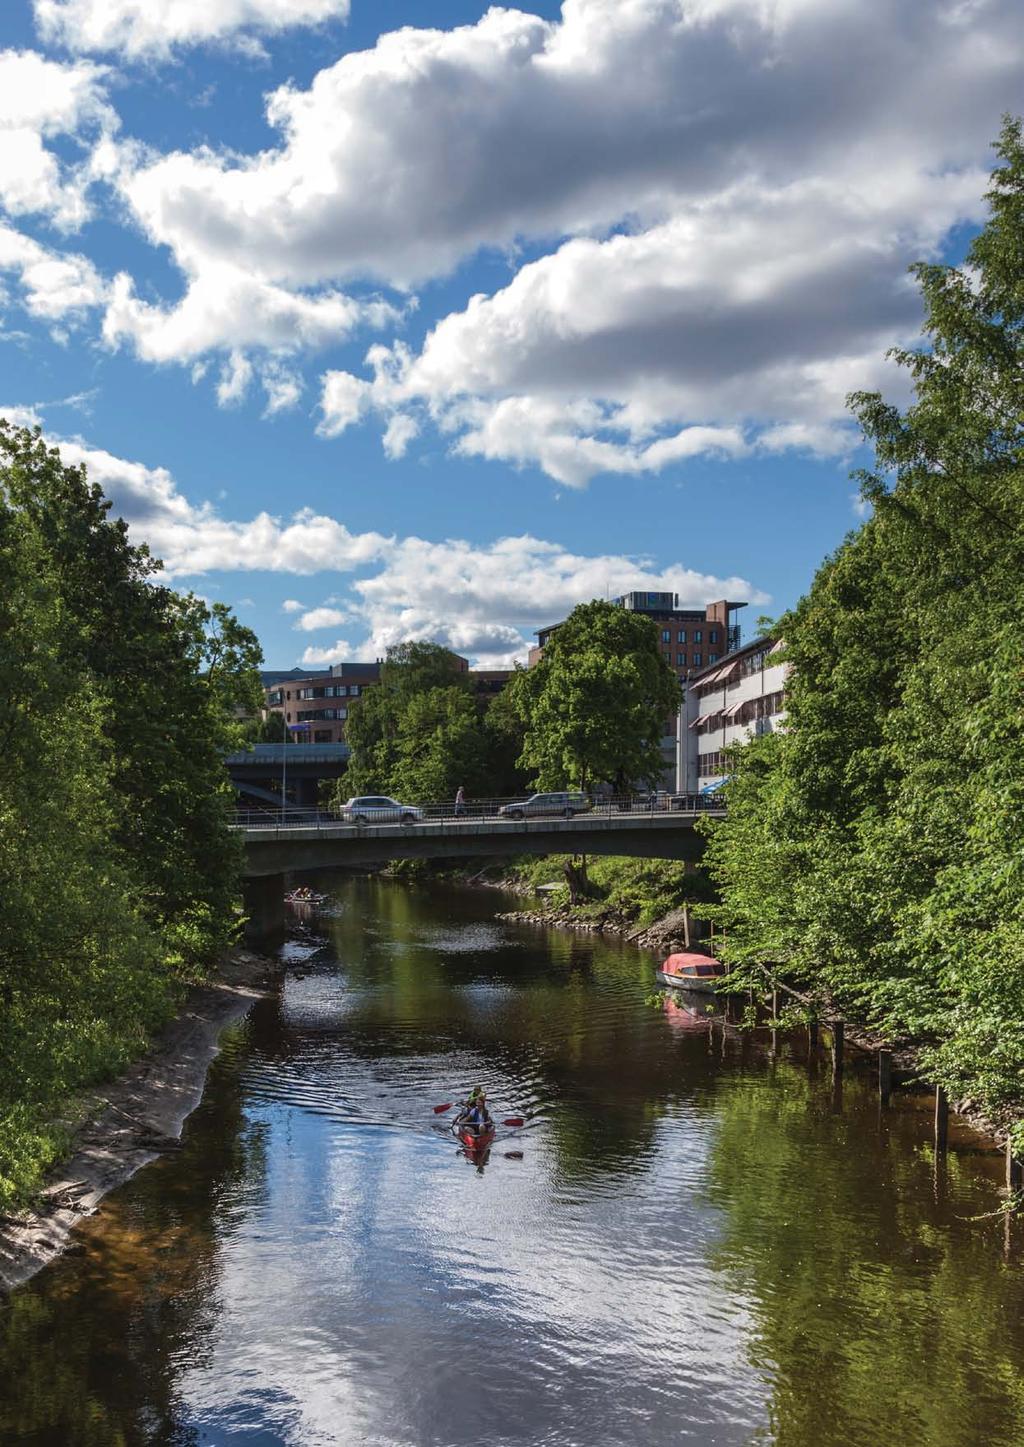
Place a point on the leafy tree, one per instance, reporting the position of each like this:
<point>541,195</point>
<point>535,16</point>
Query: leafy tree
<point>873,848</point>
<point>374,720</point>
<point>441,745</point>
<point>118,873</point>
<point>595,706</point>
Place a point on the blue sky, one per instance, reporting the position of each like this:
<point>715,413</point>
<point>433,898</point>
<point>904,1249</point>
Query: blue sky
<point>378,331</point>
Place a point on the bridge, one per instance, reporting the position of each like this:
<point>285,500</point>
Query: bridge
<point>276,773</point>
<point>301,842</point>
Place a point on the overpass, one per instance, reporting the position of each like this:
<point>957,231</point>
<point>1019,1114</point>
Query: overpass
<point>267,772</point>
<point>303,842</point>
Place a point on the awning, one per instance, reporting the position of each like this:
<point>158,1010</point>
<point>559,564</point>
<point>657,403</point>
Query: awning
<point>777,647</point>
<point>733,709</point>
<point>705,718</point>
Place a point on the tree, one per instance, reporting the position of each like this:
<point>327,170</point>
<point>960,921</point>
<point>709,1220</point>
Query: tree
<point>595,706</point>
<point>374,727</point>
<point>873,850</point>
<point>441,745</point>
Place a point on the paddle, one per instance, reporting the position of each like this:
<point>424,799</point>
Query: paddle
<point>440,1109</point>
<point>514,1120</point>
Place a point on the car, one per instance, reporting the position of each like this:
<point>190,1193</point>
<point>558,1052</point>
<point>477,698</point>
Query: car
<point>567,804</point>
<point>379,809</point>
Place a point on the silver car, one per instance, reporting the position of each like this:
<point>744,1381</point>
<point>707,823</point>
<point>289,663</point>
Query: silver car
<point>379,809</point>
<point>540,805</point>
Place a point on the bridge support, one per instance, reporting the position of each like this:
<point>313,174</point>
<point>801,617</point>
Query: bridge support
<point>263,901</point>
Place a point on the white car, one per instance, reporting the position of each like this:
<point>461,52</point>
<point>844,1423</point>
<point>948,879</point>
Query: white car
<point>379,809</point>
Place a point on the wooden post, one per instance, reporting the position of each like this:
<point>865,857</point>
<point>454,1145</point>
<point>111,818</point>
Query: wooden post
<point>838,1039</point>
<point>884,1077</point>
<point>812,1035</point>
<point>1014,1170</point>
<point>941,1121</point>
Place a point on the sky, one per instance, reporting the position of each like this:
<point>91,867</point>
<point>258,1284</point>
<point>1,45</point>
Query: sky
<point>392,320</point>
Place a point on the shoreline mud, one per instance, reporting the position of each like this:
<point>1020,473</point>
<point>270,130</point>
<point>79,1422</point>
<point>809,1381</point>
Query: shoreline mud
<point>135,1118</point>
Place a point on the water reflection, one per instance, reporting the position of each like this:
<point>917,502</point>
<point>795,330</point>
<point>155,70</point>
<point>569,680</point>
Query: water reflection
<point>683,1242</point>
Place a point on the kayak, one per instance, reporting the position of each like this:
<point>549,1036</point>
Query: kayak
<point>474,1140</point>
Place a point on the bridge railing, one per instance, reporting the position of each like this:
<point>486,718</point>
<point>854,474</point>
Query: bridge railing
<point>476,811</point>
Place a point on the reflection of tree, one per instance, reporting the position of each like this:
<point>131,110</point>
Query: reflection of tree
<point>90,1350</point>
<point>880,1314</point>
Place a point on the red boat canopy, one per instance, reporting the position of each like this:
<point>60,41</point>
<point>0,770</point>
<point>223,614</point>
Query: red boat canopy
<point>693,964</point>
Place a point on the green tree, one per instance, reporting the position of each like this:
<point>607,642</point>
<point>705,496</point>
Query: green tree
<point>873,849</point>
<point>441,745</point>
<point>374,727</point>
<point>595,706</point>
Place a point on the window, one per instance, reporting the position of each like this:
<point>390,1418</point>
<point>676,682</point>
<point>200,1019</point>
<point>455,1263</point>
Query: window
<point>681,636</point>
<point>698,636</point>
<point>712,657</point>
<point>697,660</point>
<point>680,660</point>
<point>342,690</point>
<point>666,636</point>
<point>713,636</point>
<point>354,690</point>
<point>273,699</point>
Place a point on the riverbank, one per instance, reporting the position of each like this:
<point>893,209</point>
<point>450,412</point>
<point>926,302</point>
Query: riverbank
<point>132,1120</point>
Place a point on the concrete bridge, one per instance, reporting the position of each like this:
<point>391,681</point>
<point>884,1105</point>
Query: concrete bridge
<point>306,844</point>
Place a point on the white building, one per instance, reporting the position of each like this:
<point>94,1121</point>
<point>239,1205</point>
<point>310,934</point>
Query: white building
<point>724,704</point>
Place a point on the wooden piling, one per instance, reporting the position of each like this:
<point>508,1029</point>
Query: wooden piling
<point>838,1040</point>
<point>812,1036</point>
<point>941,1120</point>
<point>1014,1170</point>
<point>884,1077</point>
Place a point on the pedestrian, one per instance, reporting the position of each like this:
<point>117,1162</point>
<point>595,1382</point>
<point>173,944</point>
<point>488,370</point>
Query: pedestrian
<point>460,802</point>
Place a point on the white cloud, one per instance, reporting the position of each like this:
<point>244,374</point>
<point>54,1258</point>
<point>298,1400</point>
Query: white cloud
<point>40,100</point>
<point>324,657</point>
<point>320,618</point>
<point>235,376</point>
<point>733,188</point>
<point>227,306</point>
<point>482,600</point>
<point>54,285</point>
<point>155,27</point>
<point>283,387</point>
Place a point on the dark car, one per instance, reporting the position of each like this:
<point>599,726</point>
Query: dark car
<point>540,805</point>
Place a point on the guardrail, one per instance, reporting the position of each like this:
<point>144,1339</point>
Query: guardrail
<point>477,811</point>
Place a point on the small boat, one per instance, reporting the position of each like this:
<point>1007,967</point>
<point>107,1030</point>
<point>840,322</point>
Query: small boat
<point>296,898</point>
<point>471,1137</point>
<point>476,1140</point>
<point>691,971</point>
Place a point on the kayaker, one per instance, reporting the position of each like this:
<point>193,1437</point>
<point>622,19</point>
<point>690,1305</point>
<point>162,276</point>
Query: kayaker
<point>478,1116</point>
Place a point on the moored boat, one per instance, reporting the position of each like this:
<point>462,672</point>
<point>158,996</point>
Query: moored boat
<point>690,971</point>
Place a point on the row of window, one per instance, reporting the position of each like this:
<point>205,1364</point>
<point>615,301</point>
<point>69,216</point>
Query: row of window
<point>698,635</point>
<point>696,659</point>
<point>713,763</point>
<point>754,709</point>
<point>321,713</point>
<point>331,690</point>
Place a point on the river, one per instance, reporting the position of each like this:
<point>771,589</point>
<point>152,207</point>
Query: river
<point>693,1240</point>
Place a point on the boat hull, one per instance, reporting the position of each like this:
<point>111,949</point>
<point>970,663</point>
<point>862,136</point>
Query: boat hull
<point>698,984</point>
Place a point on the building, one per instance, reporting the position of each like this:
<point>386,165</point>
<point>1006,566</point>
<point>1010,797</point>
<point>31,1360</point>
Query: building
<point>724,704</point>
<point>691,638</point>
<point>319,702</point>
<point>315,705</point>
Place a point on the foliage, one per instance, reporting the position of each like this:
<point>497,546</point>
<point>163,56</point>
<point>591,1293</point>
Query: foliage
<point>594,707</point>
<point>874,847</point>
<point>421,732</point>
<point>638,890</point>
<point>118,874</point>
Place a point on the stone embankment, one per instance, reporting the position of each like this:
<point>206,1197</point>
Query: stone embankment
<point>136,1118</point>
<point>665,934</point>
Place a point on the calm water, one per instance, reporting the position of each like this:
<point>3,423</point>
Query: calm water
<point>692,1241</point>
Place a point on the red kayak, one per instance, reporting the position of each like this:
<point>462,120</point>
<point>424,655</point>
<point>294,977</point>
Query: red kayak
<point>473,1139</point>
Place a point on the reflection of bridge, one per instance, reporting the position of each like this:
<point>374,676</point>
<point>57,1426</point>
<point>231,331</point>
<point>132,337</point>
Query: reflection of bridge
<point>306,843</point>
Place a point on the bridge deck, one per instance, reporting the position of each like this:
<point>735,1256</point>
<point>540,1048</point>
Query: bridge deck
<point>324,842</point>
